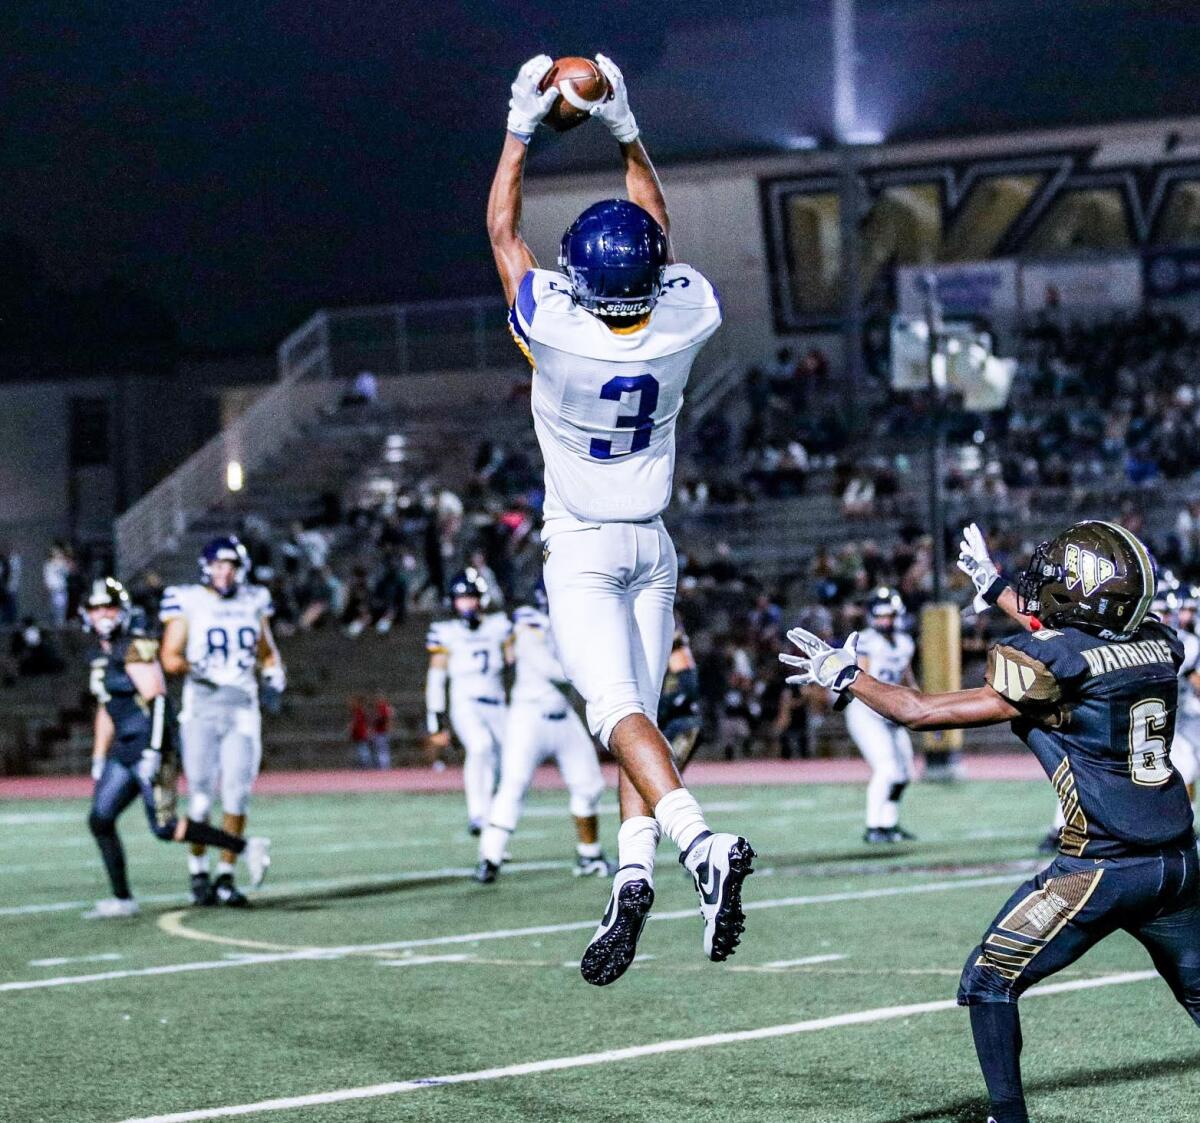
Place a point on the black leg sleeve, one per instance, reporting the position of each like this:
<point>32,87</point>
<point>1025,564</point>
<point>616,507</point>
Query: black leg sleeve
<point>213,836</point>
<point>996,1027</point>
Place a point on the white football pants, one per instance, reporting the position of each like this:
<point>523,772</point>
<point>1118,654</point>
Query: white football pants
<point>221,745</point>
<point>887,748</point>
<point>479,727</point>
<point>612,597</point>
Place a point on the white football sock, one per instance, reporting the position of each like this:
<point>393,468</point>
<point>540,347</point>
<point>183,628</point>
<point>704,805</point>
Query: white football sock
<point>877,799</point>
<point>224,867</point>
<point>637,840</point>
<point>197,863</point>
<point>588,849</point>
<point>492,843</point>
<point>681,817</point>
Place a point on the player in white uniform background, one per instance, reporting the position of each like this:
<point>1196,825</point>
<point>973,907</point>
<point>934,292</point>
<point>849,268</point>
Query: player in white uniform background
<point>886,653</point>
<point>470,652</point>
<point>1185,749</point>
<point>217,634</point>
<point>542,725</point>
<point>612,337</point>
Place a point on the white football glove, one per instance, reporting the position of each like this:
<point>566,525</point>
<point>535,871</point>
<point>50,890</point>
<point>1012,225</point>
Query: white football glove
<point>527,107</point>
<point>614,111</point>
<point>834,668</point>
<point>274,677</point>
<point>97,767</point>
<point>147,768</point>
<point>975,561</point>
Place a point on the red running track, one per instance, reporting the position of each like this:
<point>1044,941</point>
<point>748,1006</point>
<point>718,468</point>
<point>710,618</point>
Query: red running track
<point>1006,766</point>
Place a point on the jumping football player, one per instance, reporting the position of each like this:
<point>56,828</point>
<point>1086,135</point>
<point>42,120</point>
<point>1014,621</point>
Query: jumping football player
<point>612,337</point>
<point>217,634</point>
<point>887,654</point>
<point>133,751</point>
<point>1093,693</point>
<point>541,725</point>
<point>470,651</point>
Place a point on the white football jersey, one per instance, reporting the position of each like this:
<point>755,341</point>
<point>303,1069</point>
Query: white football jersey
<point>475,662</point>
<point>223,633</point>
<point>605,402</point>
<point>1189,702</point>
<point>539,668</point>
<point>890,656</point>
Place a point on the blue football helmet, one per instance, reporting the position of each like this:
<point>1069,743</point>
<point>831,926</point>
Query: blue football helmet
<point>226,548</point>
<point>469,583</point>
<point>614,254</point>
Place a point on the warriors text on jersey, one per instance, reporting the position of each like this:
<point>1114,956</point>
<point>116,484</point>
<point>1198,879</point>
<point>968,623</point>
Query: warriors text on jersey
<point>114,690</point>
<point>475,656</point>
<point>605,401</point>
<point>1099,714</point>
<point>223,634</point>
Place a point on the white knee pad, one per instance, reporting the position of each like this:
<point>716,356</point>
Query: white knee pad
<point>199,804</point>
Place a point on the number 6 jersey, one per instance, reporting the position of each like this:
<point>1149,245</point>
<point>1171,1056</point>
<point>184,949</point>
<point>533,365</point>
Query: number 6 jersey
<point>223,635</point>
<point>605,401</point>
<point>1099,714</point>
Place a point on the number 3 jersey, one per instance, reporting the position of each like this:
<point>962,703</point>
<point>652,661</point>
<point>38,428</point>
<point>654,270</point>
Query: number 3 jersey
<point>223,636</point>
<point>1099,714</point>
<point>605,401</point>
<point>475,656</point>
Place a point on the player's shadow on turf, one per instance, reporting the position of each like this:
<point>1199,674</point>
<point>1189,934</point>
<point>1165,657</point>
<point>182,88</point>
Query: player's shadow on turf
<point>969,1111</point>
<point>302,902</point>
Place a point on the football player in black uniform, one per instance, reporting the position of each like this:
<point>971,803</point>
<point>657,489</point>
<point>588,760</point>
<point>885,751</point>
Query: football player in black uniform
<point>1092,691</point>
<point>134,751</point>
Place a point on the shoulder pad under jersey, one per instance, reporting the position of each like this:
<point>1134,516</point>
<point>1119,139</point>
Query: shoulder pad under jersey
<point>1033,668</point>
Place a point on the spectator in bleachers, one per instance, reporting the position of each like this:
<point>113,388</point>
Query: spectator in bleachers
<point>56,577</point>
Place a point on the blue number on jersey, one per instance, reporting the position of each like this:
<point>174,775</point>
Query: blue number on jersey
<point>247,638</point>
<point>642,422</point>
<point>482,656</point>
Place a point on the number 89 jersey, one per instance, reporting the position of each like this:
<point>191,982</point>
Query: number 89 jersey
<point>475,656</point>
<point>1099,714</point>
<point>223,633</point>
<point>605,401</point>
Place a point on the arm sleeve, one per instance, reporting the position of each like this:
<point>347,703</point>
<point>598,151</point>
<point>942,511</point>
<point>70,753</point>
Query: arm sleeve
<point>435,698</point>
<point>158,722</point>
<point>172,603</point>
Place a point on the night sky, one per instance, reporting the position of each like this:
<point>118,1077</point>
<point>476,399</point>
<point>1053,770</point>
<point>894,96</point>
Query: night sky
<point>249,162</point>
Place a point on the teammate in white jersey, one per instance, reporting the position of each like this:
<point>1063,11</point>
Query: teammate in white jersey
<point>542,725</point>
<point>612,337</point>
<point>1185,749</point>
<point>217,635</point>
<point>886,653</point>
<point>470,652</point>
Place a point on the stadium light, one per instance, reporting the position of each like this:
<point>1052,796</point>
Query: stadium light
<point>235,478</point>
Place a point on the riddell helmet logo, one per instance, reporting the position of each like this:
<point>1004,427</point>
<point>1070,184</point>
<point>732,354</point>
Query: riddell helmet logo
<point>1087,569</point>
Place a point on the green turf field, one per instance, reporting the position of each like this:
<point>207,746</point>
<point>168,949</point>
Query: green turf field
<point>271,1015</point>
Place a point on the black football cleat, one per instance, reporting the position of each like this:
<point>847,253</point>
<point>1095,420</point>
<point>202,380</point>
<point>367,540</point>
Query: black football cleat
<point>474,828</point>
<point>202,891</point>
<point>614,945</point>
<point>718,879</point>
<point>486,872</point>
<point>899,834</point>
<point>599,866</point>
<point>874,836</point>
<point>227,894</point>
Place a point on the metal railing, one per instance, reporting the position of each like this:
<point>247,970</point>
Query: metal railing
<point>324,353</point>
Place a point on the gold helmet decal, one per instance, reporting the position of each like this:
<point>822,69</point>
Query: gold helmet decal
<point>1086,569</point>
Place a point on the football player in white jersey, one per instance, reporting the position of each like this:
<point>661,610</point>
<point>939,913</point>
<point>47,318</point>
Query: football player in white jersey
<point>886,653</point>
<point>471,652</point>
<point>612,336</point>
<point>543,725</point>
<point>1185,749</point>
<point>217,635</point>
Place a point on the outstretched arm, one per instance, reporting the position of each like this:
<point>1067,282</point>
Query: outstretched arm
<point>837,669</point>
<point>526,109</point>
<point>513,257</point>
<point>991,588</point>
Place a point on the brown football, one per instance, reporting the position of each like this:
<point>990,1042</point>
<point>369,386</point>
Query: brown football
<point>581,84</point>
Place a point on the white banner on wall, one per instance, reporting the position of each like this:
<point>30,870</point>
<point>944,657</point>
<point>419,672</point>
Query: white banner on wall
<point>1079,286</point>
<point>981,288</point>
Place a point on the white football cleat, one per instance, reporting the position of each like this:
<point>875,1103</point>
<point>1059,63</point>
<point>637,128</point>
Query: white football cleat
<point>111,908</point>
<point>614,945</point>
<point>718,876</point>
<point>258,858</point>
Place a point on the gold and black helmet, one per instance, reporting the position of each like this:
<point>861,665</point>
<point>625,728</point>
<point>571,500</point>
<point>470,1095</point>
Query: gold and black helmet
<point>1094,575</point>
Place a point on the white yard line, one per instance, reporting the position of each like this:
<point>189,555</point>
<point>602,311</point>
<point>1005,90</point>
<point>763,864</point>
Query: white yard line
<point>615,1056</point>
<point>283,888</point>
<point>63,960</point>
<point>803,961</point>
<point>479,937</point>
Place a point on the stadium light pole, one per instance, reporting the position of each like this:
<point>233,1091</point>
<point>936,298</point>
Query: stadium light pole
<point>845,117</point>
